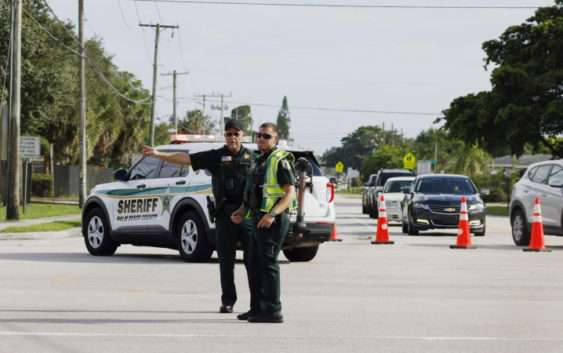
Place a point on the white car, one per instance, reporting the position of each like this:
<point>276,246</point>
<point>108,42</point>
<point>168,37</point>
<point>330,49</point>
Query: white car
<point>393,194</point>
<point>156,203</point>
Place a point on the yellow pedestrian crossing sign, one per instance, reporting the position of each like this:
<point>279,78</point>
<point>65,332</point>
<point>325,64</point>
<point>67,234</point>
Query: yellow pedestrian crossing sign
<point>409,161</point>
<point>339,167</point>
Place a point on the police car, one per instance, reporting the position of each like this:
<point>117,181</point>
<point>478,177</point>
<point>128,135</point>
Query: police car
<point>156,203</point>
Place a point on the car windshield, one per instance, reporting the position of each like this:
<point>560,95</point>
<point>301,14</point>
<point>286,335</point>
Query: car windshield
<point>445,185</point>
<point>386,176</point>
<point>397,185</point>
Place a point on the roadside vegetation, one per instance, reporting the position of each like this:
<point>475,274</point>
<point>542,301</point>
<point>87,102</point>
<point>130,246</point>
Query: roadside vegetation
<point>36,210</point>
<point>55,226</point>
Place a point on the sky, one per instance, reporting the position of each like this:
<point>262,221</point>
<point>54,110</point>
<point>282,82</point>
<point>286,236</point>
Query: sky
<point>390,60</point>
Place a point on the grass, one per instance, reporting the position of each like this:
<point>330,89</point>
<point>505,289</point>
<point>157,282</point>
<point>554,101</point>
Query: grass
<point>497,210</point>
<point>36,210</point>
<point>43,227</point>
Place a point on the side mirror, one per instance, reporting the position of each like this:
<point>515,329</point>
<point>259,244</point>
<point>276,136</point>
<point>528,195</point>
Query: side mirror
<point>333,180</point>
<point>406,190</point>
<point>121,174</point>
<point>485,192</point>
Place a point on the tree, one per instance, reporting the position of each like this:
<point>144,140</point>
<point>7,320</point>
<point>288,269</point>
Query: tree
<point>471,160</point>
<point>284,120</point>
<point>386,156</point>
<point>196,122</point>
<point>360,143</point>
<point>428,141</point>
<point>244,116</point>
<point>525,105</point>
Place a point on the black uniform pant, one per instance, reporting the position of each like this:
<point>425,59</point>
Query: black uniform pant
<point>228,235</point>
<point>265,247</point>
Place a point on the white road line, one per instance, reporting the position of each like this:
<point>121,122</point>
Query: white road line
<point>379,338</point>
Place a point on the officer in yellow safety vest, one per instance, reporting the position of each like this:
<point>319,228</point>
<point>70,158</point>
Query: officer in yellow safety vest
<point>269,197</point>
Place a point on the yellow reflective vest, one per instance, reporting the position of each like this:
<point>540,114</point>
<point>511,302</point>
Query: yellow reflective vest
<point>272,191</point>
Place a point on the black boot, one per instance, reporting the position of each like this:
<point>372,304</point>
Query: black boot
<point>275,318</point>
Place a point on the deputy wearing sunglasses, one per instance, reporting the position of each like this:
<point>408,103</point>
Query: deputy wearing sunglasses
<point>229,167</point>
<point>269,197</point>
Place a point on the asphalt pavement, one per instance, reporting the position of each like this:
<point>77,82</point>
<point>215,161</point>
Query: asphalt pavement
<point>417,295</point>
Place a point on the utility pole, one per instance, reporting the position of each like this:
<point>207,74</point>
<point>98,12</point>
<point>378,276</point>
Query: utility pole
<point>14,169</point>
<point>202,96</point>
<point>83,138</point>
<point>157,28</point>
<point>221,107</point>
<point>174,101</point>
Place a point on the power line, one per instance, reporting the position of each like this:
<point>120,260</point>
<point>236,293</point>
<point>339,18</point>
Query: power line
<point>92,65</point>
<point>348,6</point>
<point>330,109</point>
<point>123,14</point>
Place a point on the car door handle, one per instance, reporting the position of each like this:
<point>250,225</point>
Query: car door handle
<point>142,186</point>
<point>181,182</point>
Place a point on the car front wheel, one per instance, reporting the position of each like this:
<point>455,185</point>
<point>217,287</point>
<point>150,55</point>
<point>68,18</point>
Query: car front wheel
<point>301,254</point>
<point>95,229</point>
<point>520,233</point>
<point>192,240</point>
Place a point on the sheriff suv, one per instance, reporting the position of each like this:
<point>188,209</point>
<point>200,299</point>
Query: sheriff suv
<point>543,180</point>
<point>156,203</point>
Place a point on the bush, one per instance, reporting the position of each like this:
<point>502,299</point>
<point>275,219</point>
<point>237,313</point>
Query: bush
<point>42,185</point>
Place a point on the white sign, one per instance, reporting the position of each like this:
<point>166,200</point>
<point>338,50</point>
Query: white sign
<point>30,147</point>
<point>423,167</point>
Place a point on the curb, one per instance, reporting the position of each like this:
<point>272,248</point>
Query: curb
<point>70,233</point>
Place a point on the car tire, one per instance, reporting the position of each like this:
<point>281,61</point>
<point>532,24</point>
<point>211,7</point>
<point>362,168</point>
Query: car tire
<point>96,232</point>
<point>405,228</point>
<point>520,230</point>
<point>193,244</point>
<point>411,229</point>
<point>373,213</point>
<point>481,233</point>
<point>301,254</point>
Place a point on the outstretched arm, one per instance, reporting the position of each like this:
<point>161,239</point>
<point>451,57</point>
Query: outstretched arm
<point>171,157</point>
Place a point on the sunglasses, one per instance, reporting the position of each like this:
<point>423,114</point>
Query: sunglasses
<point>264,136</point>
<point>231,134</point>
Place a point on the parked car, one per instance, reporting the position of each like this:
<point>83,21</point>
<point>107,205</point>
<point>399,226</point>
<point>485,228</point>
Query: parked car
<point>394,193</point>
<point>156,203</point>
<point>366,193</point>
<point>381,178</point>
<point>435,203</point>
<point>543,180</point>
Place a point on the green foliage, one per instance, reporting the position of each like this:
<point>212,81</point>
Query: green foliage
<point>525,105</point>
<point>42,185</point>
<point>284,120</point>
<point>360,143</point>
<point>244,115</point>
<point>196,123</point>
<point>386,156</point>
<point>161,134</point>
<point>50,94</point>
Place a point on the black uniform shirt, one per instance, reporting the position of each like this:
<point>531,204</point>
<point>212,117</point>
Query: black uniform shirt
<point>219,163</point>
<point>285,176</point>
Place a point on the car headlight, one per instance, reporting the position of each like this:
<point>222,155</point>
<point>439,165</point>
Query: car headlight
<point>477,207</point>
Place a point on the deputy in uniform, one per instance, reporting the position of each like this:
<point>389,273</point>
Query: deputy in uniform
<point>229,167</point>
<point>269,197</point>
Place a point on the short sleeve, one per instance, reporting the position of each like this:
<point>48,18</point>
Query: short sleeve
<point>286,176</point>
<point>206,160</point>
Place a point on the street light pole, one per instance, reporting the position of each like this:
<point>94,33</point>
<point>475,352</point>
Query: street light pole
<point>83,138</point>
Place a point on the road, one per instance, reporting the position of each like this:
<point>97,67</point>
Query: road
<point>415,296</point>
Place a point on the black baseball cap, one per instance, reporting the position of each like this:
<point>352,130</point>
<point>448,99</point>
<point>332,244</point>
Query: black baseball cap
<point>232,124</point>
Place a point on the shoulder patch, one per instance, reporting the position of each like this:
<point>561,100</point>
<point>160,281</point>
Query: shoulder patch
<point>285,164</point>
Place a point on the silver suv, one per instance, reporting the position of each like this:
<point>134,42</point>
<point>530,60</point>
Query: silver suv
<point>543,180</point>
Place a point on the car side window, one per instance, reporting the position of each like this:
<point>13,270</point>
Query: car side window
<point>556,177</point>
<point>172,170</point>
<point>541,175</point>
<point>146,168</point>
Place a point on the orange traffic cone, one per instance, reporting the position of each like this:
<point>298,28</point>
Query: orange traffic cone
<point>536,238</point>
<point>333,235</point>
<point>382,233</point>
<point>463,234</point>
